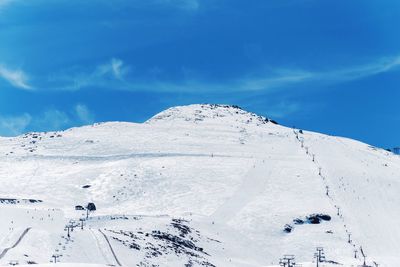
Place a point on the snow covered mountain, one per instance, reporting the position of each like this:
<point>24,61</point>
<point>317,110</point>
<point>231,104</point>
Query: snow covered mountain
<point>198,185</point>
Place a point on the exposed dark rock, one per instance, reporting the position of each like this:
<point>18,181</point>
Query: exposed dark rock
<point>183,229</point>
<point>317,218</point>
<point>288,228</point>
<point>298,221</point>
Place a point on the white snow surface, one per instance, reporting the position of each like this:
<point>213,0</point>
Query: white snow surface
<point>197,185</point>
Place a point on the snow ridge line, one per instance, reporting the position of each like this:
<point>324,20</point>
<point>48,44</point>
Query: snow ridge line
<point>4,252</point>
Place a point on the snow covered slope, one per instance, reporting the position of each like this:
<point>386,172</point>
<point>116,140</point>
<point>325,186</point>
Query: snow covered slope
<point>198,185</point>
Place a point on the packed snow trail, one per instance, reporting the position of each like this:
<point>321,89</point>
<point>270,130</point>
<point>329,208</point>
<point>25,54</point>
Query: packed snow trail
<point>253,184</point>
<point>4,252</point>
<point>111,248</point>
<point>100,246</point>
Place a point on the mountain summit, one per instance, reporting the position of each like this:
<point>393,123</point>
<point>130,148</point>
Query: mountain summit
<point>206,112</point>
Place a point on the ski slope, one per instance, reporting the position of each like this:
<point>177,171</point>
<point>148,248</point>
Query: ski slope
<point>198,185</point>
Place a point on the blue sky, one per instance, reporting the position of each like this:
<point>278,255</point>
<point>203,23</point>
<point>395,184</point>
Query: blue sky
<point>327,66</point>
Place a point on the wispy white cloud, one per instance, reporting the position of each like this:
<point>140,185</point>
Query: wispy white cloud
<point>83,114</point>
<point>4,3</point>
<point>14,125</point>
<point>48,120</point>
<point>51,119</point>
<point>284,78</point>
<point>115,67</point>
<point>281,109</point>
<point>54,119</point>
<point>279,79</point>
<point>381,65</point>
<point>110,74</point>
<point>114,76</point>
<point>16,78</point>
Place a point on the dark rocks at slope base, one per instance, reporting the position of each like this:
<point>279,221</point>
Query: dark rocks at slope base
<point>183,229</point>
<point>177,243</point>
<point>131,245</point>
<point>17,201</point>
<point>178,239</point>
<point>317,218</point>
<point>287,228</point>
<point>298,221</point>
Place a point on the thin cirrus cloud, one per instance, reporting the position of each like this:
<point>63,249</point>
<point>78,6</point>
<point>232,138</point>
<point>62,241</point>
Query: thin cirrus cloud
<point>108,74</point>
<point>282,109</point>
<point>49,120</point>
<point>16,78</point>
<point>83,114</point>
<point>14,125</point>
<point>113,75</point>
<point>182,4</point>
<point>358,72</point>
<point>285,78</point>
<point>4,3</point>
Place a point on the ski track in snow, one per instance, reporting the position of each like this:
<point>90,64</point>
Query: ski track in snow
<point>111,248</point>
<point>100,246</point>
<point>253,184</point>
<point>4,252</point>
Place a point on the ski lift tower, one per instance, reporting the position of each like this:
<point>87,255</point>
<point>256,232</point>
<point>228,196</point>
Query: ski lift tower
<point>364,256</point>
<point>56,257</point>
<point>287,261</point>
<point>319,255</point>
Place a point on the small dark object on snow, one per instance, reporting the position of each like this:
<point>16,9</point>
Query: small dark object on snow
<point>86,186</point>
<point>316,218</point>
<point>79,207</point>
<point>324,217</point>
<point>287,228</point>
<point>298,221</point>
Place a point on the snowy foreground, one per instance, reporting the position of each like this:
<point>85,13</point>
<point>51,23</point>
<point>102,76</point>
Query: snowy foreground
<point>199,185</point>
